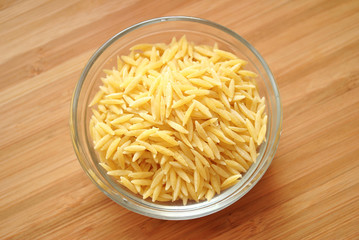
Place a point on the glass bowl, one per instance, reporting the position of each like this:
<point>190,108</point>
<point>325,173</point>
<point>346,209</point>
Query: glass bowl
<point>162,30</point>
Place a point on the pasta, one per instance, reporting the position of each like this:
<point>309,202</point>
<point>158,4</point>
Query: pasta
<point>178,121</point>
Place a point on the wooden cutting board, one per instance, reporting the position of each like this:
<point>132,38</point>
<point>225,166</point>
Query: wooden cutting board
<point>311,190</point>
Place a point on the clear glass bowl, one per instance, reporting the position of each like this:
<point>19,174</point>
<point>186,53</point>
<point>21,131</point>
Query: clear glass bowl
<point>162,30</point>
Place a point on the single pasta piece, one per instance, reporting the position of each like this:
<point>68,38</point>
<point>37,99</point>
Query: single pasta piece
<point>178,121</point>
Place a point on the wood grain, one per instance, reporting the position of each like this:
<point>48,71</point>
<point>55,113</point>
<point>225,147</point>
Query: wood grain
<point>311,190</point>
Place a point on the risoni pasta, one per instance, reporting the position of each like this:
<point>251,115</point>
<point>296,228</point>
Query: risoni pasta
<point>178,121</point>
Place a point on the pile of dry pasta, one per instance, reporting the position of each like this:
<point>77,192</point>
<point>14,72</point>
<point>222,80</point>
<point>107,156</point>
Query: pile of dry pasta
<point>178,121</point>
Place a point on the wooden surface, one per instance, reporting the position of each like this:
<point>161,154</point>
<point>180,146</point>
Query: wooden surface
<point>311,190</point>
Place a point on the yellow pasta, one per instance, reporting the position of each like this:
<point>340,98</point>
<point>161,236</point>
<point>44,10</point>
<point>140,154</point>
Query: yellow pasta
<point>134,148</point>
<point>178,121</point>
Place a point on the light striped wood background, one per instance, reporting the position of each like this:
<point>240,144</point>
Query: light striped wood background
<point>311,190</point>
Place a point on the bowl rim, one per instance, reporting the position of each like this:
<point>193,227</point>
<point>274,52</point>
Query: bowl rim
<point>75,98</point>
